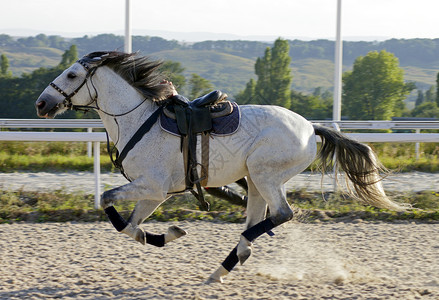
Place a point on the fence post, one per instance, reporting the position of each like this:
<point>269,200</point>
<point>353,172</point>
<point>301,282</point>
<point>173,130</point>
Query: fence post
<point>417,145</point>
<point>89,148</point>
<point>97,173</point>
<point>334,184</point>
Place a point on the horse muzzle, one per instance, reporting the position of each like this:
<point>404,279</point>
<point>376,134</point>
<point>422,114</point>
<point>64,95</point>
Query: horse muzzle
<point>47,106</point>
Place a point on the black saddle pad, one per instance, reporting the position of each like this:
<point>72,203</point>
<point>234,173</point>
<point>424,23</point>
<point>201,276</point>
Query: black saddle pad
<point>225,125</point>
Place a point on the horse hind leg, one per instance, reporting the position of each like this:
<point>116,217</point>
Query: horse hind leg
<point>256,213</point>
<point>280,212</point>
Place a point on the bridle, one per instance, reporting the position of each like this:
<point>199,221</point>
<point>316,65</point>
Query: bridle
<point>68,97</point>
<point>146,126</point>
<point>67,102</point>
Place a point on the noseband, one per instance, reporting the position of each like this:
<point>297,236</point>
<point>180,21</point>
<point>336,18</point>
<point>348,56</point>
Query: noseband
<point>68,97</point>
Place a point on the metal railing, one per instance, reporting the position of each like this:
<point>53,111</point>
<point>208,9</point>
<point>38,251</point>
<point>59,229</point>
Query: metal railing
<point>375,125</point>
<point>51,123</point>
<point>97,123</point>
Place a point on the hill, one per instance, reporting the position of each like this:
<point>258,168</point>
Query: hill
<point>229,64</point>
<point>226,71</point>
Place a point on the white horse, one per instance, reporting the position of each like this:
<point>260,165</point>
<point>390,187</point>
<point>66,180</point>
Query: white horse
<point>272,145</point>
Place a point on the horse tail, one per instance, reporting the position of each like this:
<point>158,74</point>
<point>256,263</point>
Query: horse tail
<point>360,165</point>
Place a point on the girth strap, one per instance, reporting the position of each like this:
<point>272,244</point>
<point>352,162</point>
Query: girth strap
<point>192,178</point>
<point>205,137</point>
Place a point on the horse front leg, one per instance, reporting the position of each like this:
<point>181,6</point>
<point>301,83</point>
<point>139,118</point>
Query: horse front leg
<point>142,210</point>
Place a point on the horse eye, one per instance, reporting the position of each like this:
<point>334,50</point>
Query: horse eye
<point>71,75</point>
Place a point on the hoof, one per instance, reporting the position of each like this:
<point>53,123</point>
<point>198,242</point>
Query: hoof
<point>217,276</point>
<point>243,256</point>
<point>244,250</point>
<point>176,231</point>
<point>211,280</point>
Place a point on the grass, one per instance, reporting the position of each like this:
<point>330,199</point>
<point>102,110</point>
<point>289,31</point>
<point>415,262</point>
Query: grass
<point>409,164</point>
<point>338,207</point>
<point>53,162</point>
<point>401,156</point>
<point>54,156</point>
<point>59,206</point>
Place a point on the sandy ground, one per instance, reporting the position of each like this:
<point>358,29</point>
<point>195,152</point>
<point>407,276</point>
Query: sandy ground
<point>359,260</point>
<point>302,261</point>
<point>84,181</point>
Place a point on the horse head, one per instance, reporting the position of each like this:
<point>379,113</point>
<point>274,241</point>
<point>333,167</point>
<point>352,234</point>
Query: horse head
<point>74,88</point>
<point>68,90</point>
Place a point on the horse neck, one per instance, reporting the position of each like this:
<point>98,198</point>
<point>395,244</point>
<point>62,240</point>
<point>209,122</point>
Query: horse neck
<point>116,96</point>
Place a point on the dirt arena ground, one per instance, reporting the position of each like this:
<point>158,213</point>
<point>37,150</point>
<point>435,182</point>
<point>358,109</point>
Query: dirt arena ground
<point>358,260</point>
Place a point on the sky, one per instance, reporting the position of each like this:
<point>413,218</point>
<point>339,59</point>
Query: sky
<point>216,19</point>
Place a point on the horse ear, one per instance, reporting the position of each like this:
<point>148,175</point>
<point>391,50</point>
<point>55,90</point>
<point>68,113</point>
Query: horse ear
<point>97,58</point>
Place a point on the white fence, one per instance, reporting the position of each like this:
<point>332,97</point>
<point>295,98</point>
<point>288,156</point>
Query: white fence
<point>36,136</point>
<point>97,137</point>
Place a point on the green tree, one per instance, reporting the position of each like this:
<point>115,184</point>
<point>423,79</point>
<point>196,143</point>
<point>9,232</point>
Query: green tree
<point>199,86</point>
<point>426,110</point>
<point>18,94</point>
<point>420,98</point>
<point>248,94</point>
<point>4,66</point>
<point>375,88</point>
<point>262,71</point>
<point>274,75</point>
<point>312,107</point>
<point>69,56</point>
<point>281,73</point>
<point>430,95</point>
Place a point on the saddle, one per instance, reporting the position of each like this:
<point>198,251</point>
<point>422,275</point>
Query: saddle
<point>196,116</point>
<point>188,119</point>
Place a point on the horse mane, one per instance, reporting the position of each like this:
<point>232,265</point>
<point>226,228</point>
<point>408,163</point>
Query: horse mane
<point>141,72</point>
